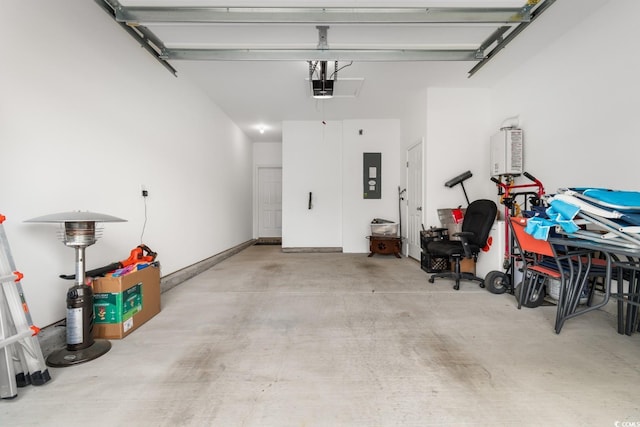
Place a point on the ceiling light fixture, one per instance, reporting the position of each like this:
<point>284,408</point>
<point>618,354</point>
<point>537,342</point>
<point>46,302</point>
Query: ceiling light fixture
<point>261,129</point>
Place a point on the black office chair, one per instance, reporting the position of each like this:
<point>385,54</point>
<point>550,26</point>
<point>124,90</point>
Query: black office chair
<point>476,226</point>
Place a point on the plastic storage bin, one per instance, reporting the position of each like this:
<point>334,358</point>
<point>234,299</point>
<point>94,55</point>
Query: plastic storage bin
<point>384,229</point>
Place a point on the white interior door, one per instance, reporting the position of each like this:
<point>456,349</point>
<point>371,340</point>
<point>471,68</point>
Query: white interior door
<point>269,202</point>
<point>414,200</point>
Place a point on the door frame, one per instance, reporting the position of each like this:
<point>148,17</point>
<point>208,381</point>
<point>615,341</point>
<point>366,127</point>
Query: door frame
<point>420,142</point>
<point>256,195</point>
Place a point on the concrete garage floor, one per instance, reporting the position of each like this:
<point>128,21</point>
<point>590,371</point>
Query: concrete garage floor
<point>267,338</point>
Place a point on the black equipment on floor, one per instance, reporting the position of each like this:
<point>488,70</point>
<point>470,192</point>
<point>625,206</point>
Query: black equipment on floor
<point>427,262</point>
<point>476,227</point>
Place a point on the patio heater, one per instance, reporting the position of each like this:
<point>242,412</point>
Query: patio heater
<point>79,232</point>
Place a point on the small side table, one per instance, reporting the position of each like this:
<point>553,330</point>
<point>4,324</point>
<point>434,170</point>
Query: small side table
<point>385,245</point>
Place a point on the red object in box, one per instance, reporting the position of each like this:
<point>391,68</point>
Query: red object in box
<point>457,215</point>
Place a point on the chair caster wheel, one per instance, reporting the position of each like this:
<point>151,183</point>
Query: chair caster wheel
<point>456,287</point>
<point>481,284</point>
<point>431,280</point>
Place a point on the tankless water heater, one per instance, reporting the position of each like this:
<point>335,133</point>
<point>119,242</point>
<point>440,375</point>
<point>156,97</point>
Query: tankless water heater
<point>507,153</point>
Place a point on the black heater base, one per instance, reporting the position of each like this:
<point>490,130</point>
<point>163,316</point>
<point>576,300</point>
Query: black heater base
<point>64,357</point>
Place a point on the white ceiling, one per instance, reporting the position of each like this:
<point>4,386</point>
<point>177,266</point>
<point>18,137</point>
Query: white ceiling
<point>264,93</point>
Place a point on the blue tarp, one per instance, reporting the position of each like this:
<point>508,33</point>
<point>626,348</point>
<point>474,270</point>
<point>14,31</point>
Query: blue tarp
<point>558,213</point>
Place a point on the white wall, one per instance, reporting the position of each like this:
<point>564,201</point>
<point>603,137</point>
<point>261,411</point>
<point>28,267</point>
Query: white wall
<point>378,136</point>
<point>455,124</point>
<point>311,162</point>
<point>327,160</point>
<point>413,124</point>
<point>578,102</point>
<point>267,154</point>
<point>457,140</point>
<point>86,117</point>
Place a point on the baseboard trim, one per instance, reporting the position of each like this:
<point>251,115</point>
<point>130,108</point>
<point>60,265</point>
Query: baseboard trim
<point>312,250</point>
<point>172,280</point>
<point>269,241</point>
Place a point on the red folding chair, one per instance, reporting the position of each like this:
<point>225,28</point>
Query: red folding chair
<point>532,290</point>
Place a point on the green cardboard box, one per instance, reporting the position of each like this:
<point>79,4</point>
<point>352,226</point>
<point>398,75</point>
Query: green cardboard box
<point>122,304</point>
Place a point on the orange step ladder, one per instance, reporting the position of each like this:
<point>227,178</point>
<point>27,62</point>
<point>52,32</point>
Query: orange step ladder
<point>21,359</point>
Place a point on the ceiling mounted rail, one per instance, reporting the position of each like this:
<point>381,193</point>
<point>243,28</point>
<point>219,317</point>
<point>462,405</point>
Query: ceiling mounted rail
<point>503,42</point>
<point>508,23</point>
<point>363,55</point>
<point>315,15</point>
<point>143,35</point>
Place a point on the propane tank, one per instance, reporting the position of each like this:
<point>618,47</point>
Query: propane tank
<point>79,317</point>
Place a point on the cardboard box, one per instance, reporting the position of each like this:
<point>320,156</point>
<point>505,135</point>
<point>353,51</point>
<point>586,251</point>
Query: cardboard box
<point>467,265</point>
<point>122,304</point>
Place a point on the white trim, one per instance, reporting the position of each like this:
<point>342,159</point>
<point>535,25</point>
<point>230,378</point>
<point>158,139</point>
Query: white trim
<point>407,181</point>
<point>255,208</point>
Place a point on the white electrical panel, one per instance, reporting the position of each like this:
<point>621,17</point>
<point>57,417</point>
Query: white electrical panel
<point>507,152</point>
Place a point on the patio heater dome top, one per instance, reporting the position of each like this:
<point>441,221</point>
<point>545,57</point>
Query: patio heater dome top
<point>76,216</point>
<point>79,227</point>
